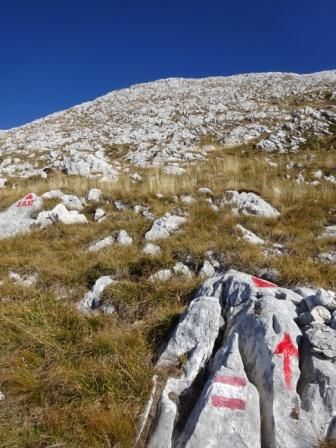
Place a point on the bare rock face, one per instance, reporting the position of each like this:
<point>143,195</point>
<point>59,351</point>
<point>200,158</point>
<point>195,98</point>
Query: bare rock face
<point>250,378</point>
<point>18,218</point>
<point>229,405</point>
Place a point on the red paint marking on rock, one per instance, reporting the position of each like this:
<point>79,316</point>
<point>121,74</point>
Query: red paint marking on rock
<point>260,283</point>
<point>232,380</point>
<point>29,196</point>
<point>287,349</point>
<point>236,404</point>
<point>27,201</point>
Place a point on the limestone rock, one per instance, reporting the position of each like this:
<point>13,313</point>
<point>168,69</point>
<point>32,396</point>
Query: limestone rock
<point>229,405</point>
<point>92,299</point>
<point>249,236</point>
<point>248,203</point>
<point>165,226</point>
<point>18,218</point>
<point>26,280</point>
<point>94,195</point>
<point>161,276</point>
<point>151,249</point>
<point>322,339</point>
<point>182,269</point>
<point>207,270</point>
<point>99,215</point>
<point>123,238</point>
<point>60,214</point>
<point>101,244</point>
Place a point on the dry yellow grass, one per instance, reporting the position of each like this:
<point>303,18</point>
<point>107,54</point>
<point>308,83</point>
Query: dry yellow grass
<point>76,381</point>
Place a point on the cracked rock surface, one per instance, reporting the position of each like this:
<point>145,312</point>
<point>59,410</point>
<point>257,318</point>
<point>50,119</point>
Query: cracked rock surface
<point>251,376</point>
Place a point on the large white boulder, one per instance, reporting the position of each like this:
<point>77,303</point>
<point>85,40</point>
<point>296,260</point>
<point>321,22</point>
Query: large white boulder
<point>60,214</point>
<point>256,364</point>
<point>18,218</point>
<point>248,203</point>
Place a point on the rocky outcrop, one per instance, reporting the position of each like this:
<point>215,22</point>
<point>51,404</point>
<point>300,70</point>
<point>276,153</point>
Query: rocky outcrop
<point>171,121</point>
<point>19,217</point>
<point>251,376</point>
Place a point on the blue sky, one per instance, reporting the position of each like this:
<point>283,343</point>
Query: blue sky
<point>58,53</point>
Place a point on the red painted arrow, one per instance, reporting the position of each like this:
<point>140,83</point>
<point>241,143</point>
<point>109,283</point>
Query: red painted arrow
<point>288,349</point>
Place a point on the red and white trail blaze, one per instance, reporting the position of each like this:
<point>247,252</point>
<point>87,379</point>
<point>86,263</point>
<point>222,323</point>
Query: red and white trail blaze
<point>260,283</point>
<point>229,392</point>
<point>27,201</point>
<point>287,349</point>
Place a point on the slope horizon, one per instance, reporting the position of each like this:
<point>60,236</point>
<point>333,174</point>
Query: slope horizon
<point>152,81</point>
<point>55,56</point>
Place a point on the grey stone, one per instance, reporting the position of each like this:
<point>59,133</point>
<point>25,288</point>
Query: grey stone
<point>322,339</point>
<point>123,238</point>
<point>207,270</point>
<point>60,214</point>
<point>92,299</point>
<point>94,195</point>
<point>99,215</point>
<point>151,249</point>
<point>249,236</point>
<point>182,269</point>
<point>161,276</point>
<point>229,405</point>
<point>18,218</point>
<point>165,226</point>
<point>248,203</point>
<point>101,244</point>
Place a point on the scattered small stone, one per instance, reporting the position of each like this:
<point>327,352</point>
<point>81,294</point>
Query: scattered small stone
<point>175,170</point>
<point>124,239</point>
<point>151,249</point>
<point>182,269</point>
<point>205,190</point>
<point>99,215</point>
<point>207,270</point>
<point>162,276</point>
<point>3,182</point>
<point>121,206</point>
<point>249,236</point>
<point>92,299</point>
<point>26,280</point>
<point>327,257</point>
<point>187,199</point>
<point>329,232</point>
<point>165,226</point>
<point>94,195</point>
<point>101,244</point>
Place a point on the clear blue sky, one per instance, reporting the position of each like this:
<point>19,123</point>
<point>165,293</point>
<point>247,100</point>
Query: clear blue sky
<point>58,53</point>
